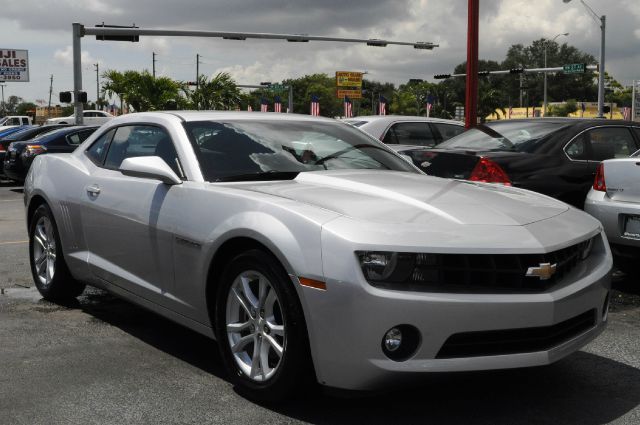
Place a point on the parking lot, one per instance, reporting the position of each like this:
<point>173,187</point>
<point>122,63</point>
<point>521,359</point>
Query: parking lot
<point>103,360</point>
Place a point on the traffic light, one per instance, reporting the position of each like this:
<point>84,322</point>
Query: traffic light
<point>377,43</point>
<point>606,109</point>
<point>442,76</point>
<point>133,38</point>
<point>516,70</point>
<point>65,96</point>
<point>483,73</point>
<point>82,97</point>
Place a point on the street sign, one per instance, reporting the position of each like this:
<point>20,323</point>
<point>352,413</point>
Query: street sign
<point>14,65</point>
<point>353,94</point>
<point>574,68</point>
<point>348,79</point>
<point>277,87</point>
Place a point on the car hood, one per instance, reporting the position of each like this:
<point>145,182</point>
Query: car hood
<point>396,197</point>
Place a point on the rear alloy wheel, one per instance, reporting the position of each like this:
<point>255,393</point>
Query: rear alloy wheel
<point>260,328</point>
<point>48,268</point>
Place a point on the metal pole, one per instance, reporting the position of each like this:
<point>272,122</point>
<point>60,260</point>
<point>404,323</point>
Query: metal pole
<point>290,99</point>
<point>544,101</point>
<point>603,21</point>
<point>197,78</point>
<point>4,111</point>
<point>154,65</point>
<point>50,92</point>
<point>633,101</point>
<point>97,84</point>
<point>77,72</point>
<point>471,92</point>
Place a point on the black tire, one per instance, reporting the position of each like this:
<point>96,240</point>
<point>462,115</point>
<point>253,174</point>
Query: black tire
<point>630,266</point>
<point>58,284</point>
<point>294,369</point>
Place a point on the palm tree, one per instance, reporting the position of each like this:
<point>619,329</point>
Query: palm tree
<point>141,90</point>
<point>489,100</point>
<point>220,92</point>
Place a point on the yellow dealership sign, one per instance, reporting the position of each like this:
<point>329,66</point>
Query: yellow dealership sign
<point>348,79</point>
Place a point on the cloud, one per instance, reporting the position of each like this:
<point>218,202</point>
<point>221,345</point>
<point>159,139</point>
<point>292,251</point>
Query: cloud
<point>65,57</point>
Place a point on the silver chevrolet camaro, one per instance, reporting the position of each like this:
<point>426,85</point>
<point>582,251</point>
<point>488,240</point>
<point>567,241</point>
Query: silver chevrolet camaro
<point>311,251</point>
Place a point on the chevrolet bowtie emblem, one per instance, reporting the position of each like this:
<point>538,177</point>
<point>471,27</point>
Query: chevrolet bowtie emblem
<point>544,271</point>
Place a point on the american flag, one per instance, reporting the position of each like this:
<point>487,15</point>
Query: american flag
<point>510,111</point>
<point>277,104</point>
<point>249,108</point>
<point>626,113</point>
<point>264,106</point>
<point>382,105</point>
<point>428,107</point>
<point>348,107</point>
<point>315,105</point>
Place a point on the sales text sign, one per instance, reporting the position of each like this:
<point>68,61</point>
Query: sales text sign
<point>14,65</point>
<point>348,79</point>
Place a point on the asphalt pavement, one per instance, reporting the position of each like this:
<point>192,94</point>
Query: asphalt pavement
<point>102,360</point>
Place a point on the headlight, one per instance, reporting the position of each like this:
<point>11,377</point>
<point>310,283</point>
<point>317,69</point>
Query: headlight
<point>585,249</point>
<point>378,266</point>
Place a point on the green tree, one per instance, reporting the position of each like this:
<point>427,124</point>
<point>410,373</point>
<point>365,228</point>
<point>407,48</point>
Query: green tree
<point>563,110</point>
<point>26,108</point>
<point>219,92</point>
<point>141,90</point>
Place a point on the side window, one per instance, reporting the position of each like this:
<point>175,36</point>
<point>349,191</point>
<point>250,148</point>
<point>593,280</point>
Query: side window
<point>610,142</point>
<point>414,133</point>
<point>98,149</point>
<point>141,140</point>
<point>89,114</point>
<point>390,137</point>
<point>577,150</point>
<point>447,131</point>
<point>79,137</point>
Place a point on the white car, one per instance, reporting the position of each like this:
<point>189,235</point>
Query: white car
<point>90,117</point>
<point>311,251</point>
<point>614,199</point>
<point>408,130</point>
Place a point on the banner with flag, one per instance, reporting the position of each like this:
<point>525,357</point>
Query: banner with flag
<point>249,108</point>
<point>382,105</point>
<point>348,107</point>
<point>626,113</point>
<point>277,104</point>
<point>428,107</point>
<point>264,105</point>
<point>315,105</point>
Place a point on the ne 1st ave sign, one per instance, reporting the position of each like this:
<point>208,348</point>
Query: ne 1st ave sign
<point>574,68</point>
<point>14,65</point>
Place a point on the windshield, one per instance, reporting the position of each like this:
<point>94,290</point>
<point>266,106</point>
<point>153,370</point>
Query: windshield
<point>232,150</point>
<point>515,136</point>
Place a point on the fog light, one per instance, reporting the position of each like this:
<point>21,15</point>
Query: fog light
<point>400,342</point>
<point>393,339</point>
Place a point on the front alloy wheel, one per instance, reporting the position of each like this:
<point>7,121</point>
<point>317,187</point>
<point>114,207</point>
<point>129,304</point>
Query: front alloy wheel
<point>255,328</point>
<point>260,328</point>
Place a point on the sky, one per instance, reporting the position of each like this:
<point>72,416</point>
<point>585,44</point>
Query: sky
<point>43,27</point>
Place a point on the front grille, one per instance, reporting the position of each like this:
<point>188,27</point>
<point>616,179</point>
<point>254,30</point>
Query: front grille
<point>488,273</point>
<point>513,341</point>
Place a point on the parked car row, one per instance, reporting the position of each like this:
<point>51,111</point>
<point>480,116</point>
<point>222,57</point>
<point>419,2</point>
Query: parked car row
<point>17,150</point>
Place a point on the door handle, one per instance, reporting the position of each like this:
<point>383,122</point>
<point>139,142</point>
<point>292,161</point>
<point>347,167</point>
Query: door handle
<point>93,189</point>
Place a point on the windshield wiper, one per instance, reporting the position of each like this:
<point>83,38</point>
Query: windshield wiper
<point>260,176</point>
<point>343,151</point>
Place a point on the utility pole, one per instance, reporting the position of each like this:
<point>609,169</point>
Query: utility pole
<point>97,84</point>
<point>471,90</point>
<point>197,78</point>
<point>154,65</point>
<point>290,98</point>
<point>3,106</point>
<point>50,92</point>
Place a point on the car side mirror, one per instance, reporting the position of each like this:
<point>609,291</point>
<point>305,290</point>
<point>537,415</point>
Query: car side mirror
<point>150,167</point>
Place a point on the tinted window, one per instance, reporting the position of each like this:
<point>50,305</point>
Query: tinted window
<point>141,140</point>
<point>610,142</point>
<point>242,147</point>
<point>447,131</point>
<point>505,136</point>
<point>410,133</point>
<point>577,150</point>
<point>79,137</point>
<point>98,149</point>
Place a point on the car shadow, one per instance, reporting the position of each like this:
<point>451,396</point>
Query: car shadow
<point>582,388</point>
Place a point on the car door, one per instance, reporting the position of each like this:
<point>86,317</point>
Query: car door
<point>128,221</point>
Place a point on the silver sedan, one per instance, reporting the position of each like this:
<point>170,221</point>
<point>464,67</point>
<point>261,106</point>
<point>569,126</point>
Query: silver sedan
<point>614,199</point>
<point>312,252</point>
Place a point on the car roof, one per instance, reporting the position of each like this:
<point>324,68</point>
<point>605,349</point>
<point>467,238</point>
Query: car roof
<point>221,115</point>
<point>393,118</point>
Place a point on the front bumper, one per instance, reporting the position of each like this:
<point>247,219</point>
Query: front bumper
<point>347,322</point>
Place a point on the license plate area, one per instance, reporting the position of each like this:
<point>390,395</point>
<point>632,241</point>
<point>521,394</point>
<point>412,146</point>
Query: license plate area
<point>631,227</point>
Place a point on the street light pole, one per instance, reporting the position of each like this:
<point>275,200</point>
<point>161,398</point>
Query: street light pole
<point>3,107</point>
<point>603,24</point>
<point>546,44</point>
